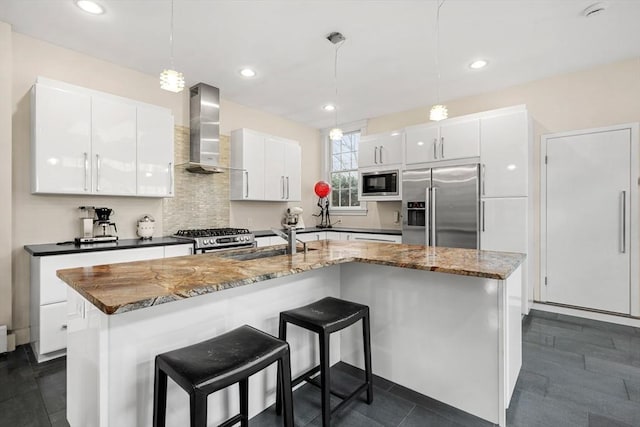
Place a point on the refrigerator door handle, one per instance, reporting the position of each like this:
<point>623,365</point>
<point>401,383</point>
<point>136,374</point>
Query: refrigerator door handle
<point>427,219</point>
<point>434,241</point>
<point>483,216</point>
<point>623,221</point>
<point>484,173</point>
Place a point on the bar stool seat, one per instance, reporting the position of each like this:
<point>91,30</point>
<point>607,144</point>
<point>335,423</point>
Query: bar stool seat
<point>203,368</point>
<point>325,317</point>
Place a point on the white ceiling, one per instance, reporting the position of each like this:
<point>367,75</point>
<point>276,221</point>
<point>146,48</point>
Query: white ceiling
<point>386,65</point>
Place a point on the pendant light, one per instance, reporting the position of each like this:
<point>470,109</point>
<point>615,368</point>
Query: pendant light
<point>337,39</point>
<point>439,111</point>
<point>170,79</point>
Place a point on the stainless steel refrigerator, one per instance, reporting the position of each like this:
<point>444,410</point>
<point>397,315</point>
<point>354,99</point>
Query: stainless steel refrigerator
<point>441,206</point>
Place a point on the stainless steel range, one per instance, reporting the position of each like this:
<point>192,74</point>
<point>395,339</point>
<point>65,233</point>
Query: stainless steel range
<point>215,239</point>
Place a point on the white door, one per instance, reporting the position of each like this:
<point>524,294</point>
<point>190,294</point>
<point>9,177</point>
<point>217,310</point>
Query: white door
<point>588,218</point>
<point>459,140</point>
<point>62,141</point>
<point>113,130</point>
<point>293,164</point>
<point>155,152</point>
<point>274,172</point>
<point>421,144</point>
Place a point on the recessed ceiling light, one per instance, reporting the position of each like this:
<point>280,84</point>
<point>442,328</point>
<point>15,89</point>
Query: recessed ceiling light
<point>395,133</point>
<point>247,72</point>
<point>477,64</point>
<point>329,107</point>
<point>90,7</point>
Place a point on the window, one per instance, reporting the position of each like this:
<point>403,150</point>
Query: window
<point>344,171</point>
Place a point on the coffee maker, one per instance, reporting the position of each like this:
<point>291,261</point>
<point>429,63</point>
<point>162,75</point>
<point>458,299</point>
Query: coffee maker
<point>100,219</point>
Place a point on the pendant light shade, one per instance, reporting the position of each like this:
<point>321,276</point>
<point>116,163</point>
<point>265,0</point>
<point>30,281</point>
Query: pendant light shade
<point>170,79</point>
<point>335,134</point>
<point>439,111</point>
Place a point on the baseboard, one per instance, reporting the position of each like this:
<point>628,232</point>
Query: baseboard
<point>587,314</point>
<point>23,336</point>
<point>11,342</point>
<point>3,339</point>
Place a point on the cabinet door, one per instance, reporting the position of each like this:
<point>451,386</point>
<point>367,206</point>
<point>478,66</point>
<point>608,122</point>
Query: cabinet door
<point>178,250</point>
<point>248,163</point>
<point>421,144</point>
<point>53,327</point>
<point>459,140</point>
<point>274,172</point>
<point>368,151</point>
<point>61,141</point>
<point>113,129</point>
<point>503,153</point>
<point>263,241</point>
<point>293,173</point>
<point>504,224</point>
<point>312,237</point>
<point>390,149</point>
<point>154,152</point>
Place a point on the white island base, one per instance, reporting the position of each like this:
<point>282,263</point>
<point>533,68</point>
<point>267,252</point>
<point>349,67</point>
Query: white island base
<point>454,338</point>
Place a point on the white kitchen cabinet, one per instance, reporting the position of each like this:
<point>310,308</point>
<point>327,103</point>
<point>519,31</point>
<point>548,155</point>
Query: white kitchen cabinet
<point>312,237</point>
<point>49,294</point>
<point>380,149</point>
<point>248,165</point>
<point>263,241</point>
<point>154,147</point>
<point>504,155</point>
<point>333,235</point>
<point>370,237</point>
<point>265,167</point>
<point>86,142</point>
<point>421,143</point>
<point>60,141</point>
<point>448,140</point>
<point>504,224</point>
<point>113,144</point>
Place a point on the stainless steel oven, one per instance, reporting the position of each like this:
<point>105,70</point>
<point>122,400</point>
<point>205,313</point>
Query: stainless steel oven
<point>380,183</point>
<point>218,239</point>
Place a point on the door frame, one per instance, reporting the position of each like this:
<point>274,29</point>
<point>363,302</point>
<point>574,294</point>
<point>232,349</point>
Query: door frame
<point>634,211</point>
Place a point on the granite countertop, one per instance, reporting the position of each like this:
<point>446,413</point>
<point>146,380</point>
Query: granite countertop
<point>119,288</point>
<point>264,233</point>
<point>70,248</point>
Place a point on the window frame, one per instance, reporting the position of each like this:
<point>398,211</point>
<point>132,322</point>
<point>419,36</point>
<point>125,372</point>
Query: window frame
<point>360,126</point>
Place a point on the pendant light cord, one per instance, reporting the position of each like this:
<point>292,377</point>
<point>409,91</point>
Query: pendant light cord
<point>171,37</point>
<point>438,51</point>
<point>335,77</point>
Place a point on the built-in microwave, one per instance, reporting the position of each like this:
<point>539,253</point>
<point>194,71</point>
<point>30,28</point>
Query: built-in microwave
<point>380,184</point>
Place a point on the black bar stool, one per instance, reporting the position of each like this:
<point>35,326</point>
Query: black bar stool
<point>324,317</point>
<point>211,365</point>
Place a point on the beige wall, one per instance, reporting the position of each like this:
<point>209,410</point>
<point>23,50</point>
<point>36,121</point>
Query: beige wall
<point>6,216</point>
<point>45,219</point>
<point>600,96</point>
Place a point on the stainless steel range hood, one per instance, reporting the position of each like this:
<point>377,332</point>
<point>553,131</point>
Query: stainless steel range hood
<point>204,112</point>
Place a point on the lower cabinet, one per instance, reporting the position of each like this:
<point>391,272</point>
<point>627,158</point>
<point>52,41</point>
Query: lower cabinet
<point>368,237</point>
<point>49,294</point>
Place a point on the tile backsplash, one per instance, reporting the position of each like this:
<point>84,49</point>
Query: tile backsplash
<point>200,201</point>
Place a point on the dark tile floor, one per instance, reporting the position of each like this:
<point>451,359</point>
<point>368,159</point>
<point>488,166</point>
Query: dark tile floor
<point>575,372</point>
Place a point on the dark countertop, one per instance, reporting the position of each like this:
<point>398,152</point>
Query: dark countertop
<point>70,248</point>
<point>118,288</point>
<point>265,233</point>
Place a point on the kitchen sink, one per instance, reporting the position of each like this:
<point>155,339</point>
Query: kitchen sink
<point>260,254</point>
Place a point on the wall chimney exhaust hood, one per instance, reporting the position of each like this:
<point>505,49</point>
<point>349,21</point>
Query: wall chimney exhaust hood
<point>204,143</point>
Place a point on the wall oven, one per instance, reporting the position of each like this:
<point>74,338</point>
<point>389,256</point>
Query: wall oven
<point>380,185</point>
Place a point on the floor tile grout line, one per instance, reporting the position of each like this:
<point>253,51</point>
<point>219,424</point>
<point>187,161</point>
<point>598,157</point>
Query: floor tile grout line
<point>408,414</point>
<point>626,388</point>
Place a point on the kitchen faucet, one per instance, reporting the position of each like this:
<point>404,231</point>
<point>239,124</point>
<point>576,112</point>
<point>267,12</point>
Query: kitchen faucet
<point>290,237</point>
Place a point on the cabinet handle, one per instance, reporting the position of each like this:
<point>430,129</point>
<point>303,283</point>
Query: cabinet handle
<point>375,155</point>
<point>483,216</point>
<point>283,190</point>
<point>247,181</point>
<point>97,172</point>
<point>86,172</point>
<point>381,147</point>
<point>170,178</point>
<point>484,173</point>
<point>623,220</point>
<point>435,148</point>
<point>287,188</point>
<point>442,147</point>
<point>372,239</point>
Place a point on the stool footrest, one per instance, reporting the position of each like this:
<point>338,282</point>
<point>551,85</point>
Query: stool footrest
<point>305,376</point>
<point>232,421</point>
<point>348,398</point>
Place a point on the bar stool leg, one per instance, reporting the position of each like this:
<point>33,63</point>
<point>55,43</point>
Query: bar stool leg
<point>198,403</point>
<point>244,402</point>
<point>282,334</point>
<point>366,335</point>
<point>325,379</point>
<point>284,364</point>
<point>159,397</point>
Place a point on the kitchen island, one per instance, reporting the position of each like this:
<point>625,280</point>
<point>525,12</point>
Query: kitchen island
<point>445,322</point>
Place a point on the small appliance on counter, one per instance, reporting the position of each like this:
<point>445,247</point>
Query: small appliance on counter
<point>293,218</point>
<point>146,226</point>
<point>96,218</point>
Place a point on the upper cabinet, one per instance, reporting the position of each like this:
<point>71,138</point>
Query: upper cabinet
<point>380,149</point>
<point>449,140</point>
<point>504,155</point>
<point>88,142</point>
<point>265,167</point>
